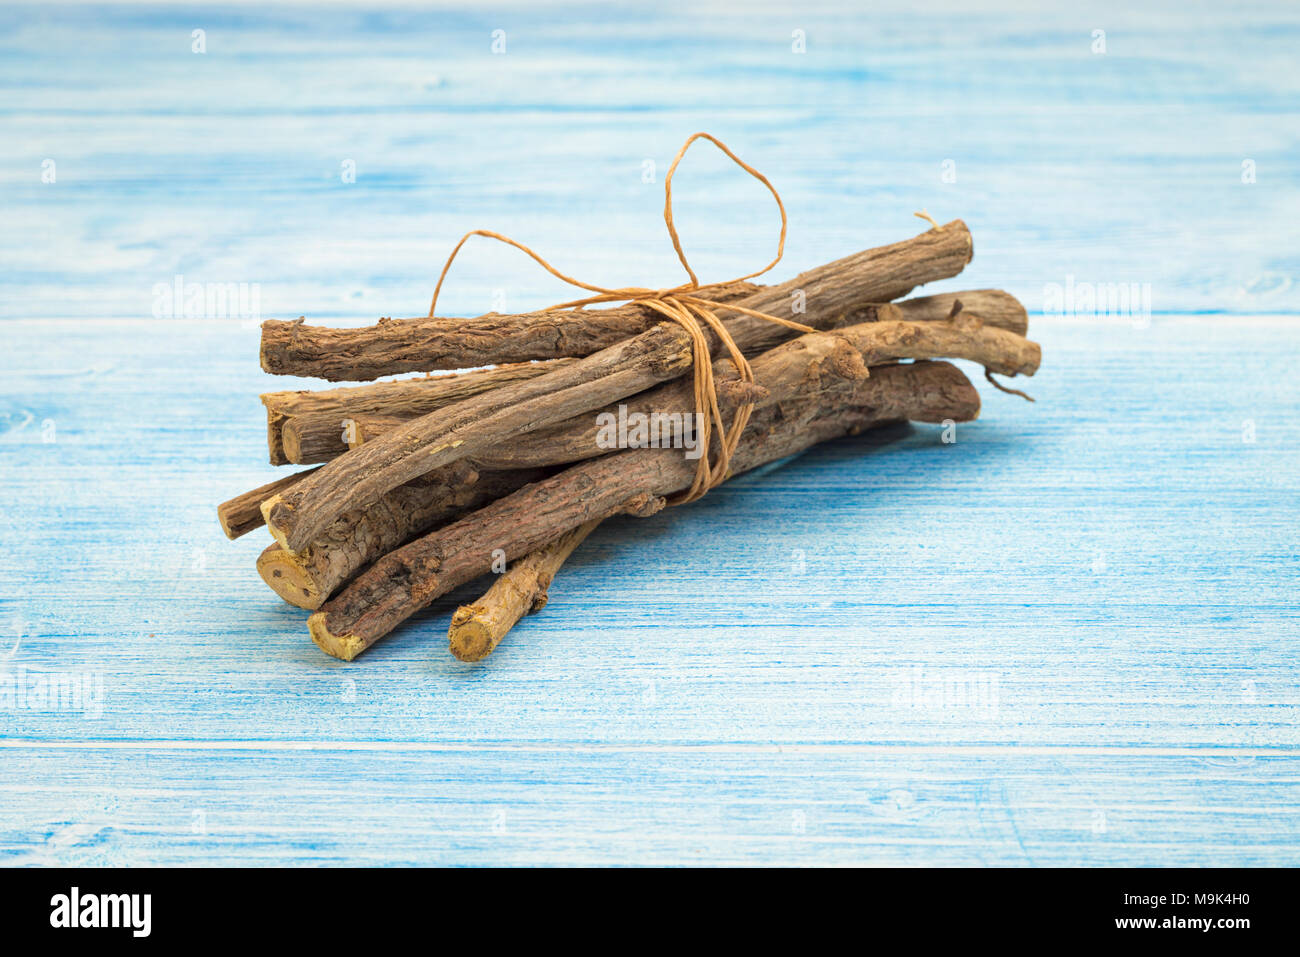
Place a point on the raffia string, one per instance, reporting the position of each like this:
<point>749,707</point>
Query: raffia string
<point>682,306</point>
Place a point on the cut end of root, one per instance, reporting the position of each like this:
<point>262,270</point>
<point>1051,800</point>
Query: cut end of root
<point>470,637</point>
<point>278,534</point>
<point>231,532</point>
<point>291,441</point>
<point>345,647</point>
<point>288,579</point>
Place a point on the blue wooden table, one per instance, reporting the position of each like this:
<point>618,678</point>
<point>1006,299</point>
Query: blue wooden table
<point>1066,638</point>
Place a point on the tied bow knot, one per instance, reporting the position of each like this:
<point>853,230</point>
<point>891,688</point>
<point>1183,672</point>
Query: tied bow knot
<point>692,312</point>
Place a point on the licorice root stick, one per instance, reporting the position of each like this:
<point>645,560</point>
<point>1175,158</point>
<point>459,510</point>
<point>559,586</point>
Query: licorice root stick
<point>829,295</point>
<point>243,513</point>
<point>477,629</point>
<point>636,480</point>
<point>360,536</point>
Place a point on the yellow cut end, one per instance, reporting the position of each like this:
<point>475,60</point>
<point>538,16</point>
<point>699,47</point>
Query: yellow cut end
<point>289,579</point>
<point>276,533</point>
<point>470,637</point>
<point>345,647</point>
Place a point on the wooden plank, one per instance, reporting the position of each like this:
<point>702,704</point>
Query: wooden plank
<point>658,806</point>
<point>1066,162</point>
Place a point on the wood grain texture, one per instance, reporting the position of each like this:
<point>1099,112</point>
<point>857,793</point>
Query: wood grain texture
<point>834,294</point>
<point>407,398</point>
<point>898,680</point>
<point>634,481</point>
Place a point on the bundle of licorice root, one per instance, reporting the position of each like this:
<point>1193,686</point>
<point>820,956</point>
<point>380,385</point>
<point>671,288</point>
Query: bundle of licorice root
<point>568,416</point>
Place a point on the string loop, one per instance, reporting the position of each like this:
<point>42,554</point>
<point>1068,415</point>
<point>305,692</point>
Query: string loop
<point>692,312</point>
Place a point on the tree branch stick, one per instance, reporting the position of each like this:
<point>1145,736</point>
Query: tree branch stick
<point>321,436</point>
<point>477,629</point>
<point>243,513</point>
<point>407,398</point>
<point>998,309</point>
<point>402,582</point>
<point>359,537</point>
<point>663,352</point>
<point>361,475</point>
<point>778,372</point>
<point>306,428</point>
<point>822,363</point>
<point>423,345</point>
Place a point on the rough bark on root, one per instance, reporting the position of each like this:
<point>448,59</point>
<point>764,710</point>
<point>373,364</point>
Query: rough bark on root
<point>817,363</point>
<point>359,537</point>
<point>830,296</point>
<point>423,345</point>
<point>402,582</point>
<point>405,398</point>
<point>477,629</point>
